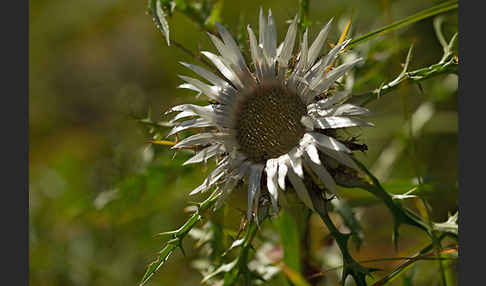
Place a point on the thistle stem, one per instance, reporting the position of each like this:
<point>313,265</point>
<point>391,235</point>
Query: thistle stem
<point>447,64</point>
<point>303,14</point>
<point>350,266</point>
<point>177,236</point>
<point>416,76</point>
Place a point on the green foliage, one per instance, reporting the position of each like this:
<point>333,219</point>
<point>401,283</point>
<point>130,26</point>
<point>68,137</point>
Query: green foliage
<point>177,236</point>
<point>99,191</point>
<point>289,235</point>
<point>448,64</point>
<point>350,266</point>
<point>304,21</point>
<point>205,14</point>
<point>424,14</point>
<point>287,225</point>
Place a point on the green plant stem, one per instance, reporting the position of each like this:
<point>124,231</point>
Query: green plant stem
<point>177,236</point>
<point>400,214</point>
<point>416,76</point>
<point>350,266</point>
<point>447,64</point>
<point>424,14</point>
<point>244,254</point>
<point>435,242</point>
<point>304,21</point>
<point>240,264</point>
<point>407,264</point>
<point>413,157</point>
<point>421,255</point>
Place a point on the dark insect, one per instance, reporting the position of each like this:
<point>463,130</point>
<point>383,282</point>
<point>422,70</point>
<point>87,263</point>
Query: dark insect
<point>353,146</point>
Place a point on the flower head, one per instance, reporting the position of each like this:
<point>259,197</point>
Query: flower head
<point>271,121</point>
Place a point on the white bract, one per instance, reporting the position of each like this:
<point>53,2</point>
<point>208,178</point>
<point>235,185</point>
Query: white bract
<point>268,122</point>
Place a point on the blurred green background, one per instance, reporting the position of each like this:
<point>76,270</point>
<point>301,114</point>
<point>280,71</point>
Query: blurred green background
<point>99,191</point>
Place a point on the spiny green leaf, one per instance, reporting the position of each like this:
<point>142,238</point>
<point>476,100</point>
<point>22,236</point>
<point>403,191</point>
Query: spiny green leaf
<point>165,235</point>
<point>400,214</point>
<point>155,265</point>
<point>178,235</point>
<point>448,64</point>
<point>158,15</point>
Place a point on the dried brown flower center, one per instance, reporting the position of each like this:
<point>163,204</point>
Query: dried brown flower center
<point>268,123</point>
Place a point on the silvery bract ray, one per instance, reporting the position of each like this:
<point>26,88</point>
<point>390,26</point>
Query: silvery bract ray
<point>268,122</point>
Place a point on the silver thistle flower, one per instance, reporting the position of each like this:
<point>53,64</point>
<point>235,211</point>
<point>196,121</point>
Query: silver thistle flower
<point>269,120</point>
